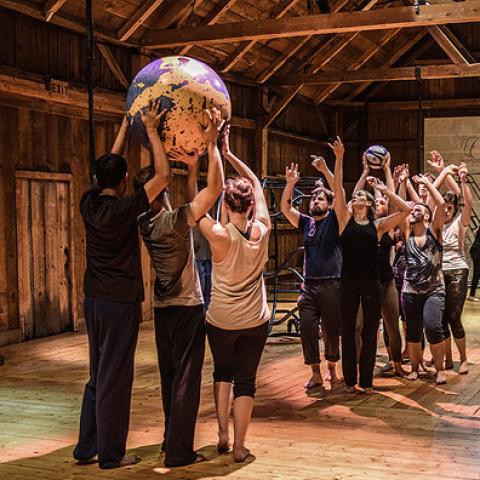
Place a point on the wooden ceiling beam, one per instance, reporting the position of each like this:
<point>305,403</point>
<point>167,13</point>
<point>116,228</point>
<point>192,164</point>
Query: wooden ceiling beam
<point>444,42</point>
<point>138,19</point>
<point>52,7</point>
<point>175,11</point>
<point>326,53</point>
<point>278,12</point>
<point>391,61</point>
<point>62,20</point>
<point>414,54</point>
<point>432,72</point>
<point>434,104</point>
<point>212,18</point>
<point>358,63</point>
<point>379,19</point>
<point>113,65</point>
<point>289,53</point>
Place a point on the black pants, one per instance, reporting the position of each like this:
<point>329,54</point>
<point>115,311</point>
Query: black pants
<point>319,306</point>
<point>476,271</point>
<point>112,335</point>
<point>455,295</point>
<point>424,310</point>
<point>180,339</point>
<point>352,293</point>
<point>236,355</point>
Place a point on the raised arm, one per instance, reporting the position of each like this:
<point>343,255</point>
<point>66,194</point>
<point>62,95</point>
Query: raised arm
<point>161,164</point>
<point>340,201</point>
<point>360,185</point>
<point>389,182</point>
<point>292,175</point>
<point>438,217</point>
<point>120,140</point>
<point>438,165</point>
<point>261,207</point>
<point>319,163</point>
<point>389,222</point>
<point>466,216</point>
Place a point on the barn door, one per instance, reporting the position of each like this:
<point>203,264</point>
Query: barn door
<point>44,253</point>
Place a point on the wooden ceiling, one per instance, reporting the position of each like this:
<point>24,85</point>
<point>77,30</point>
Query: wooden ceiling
<point>284,45</point>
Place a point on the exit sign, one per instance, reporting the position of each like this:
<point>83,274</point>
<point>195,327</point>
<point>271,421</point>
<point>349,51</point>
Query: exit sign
<point>58,88</point>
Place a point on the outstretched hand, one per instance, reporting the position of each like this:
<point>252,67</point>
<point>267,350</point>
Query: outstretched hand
<point>421,179</point>
<point>154,116</point>
<point>436,161</point>
<point>318,162</point>
<point>377,184</point>
<point>292,175</point>
<point>213,124</point>
<point>189,158</point>
<point>337,147</point>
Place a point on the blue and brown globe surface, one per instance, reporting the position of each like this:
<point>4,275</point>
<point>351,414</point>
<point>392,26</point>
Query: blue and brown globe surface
<point>186,87</point>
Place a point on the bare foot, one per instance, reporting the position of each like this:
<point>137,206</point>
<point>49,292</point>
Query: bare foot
<point>440,378</point>
<point>223,445</point>
<point>314,381</point>
<point>368,391</point>
<point>449,365</point>
<point>349,389</point>
<point>412,376</point>
<point>240,454</point>
<point>463,368</point>
<point>399,371</point>
<point>124,462</point>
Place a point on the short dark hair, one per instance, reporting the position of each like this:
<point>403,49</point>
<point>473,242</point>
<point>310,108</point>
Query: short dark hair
<point>238,194</point>
<point>143,176</point>
<point>427,207</point>
<point>329,195</point>
<point>110,169</point>
<point>451,197</point>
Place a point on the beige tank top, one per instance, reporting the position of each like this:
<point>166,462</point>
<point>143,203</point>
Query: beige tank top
<point>239,298</point>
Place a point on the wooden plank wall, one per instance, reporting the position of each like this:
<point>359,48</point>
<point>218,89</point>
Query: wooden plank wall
<point>41,137</point>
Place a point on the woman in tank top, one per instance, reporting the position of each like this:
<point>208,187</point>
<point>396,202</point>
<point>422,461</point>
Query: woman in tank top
<point>455,270</point>
<point>360,234</point>
<point>238,314</point>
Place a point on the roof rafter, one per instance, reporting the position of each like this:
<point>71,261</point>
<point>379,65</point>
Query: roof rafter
<point>138,19</point>
<point>113,65</point>
<point>328,51</point>
<point>278,12</point>
<point>359,62</point>
<point>391,61</point>
<point>380,19</point>
<point>52,7</point>
<point>212,18</point>
<point>266,74</point>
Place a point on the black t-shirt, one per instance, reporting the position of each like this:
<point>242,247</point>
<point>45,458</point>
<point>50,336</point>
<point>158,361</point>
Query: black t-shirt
<point>323,258</point>
<point>359,249</point>
<point>114,270</point>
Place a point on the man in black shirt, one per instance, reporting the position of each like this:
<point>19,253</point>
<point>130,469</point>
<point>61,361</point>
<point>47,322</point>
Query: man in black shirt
<point>113,293</point>
<point>318,304</point>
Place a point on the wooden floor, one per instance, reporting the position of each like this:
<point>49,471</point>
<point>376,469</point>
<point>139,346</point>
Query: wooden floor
<point>406,431</point>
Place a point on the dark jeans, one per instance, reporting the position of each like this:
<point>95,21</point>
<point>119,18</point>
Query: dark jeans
<point>476,271</point>
<point>180,339</point>
<point>205,274</point>
<point>455,295</point>
<point>424,310</point>
<point>319,305</point>
<point>236,355</point>
<point>352,293</point>
<point>112,329</point>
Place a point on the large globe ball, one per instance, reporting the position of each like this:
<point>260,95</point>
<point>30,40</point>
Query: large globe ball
<point>376,156</point>
<point>185,87</point>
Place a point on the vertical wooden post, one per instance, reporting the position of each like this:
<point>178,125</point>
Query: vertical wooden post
<point>262,134</point>
<point>138,62</point>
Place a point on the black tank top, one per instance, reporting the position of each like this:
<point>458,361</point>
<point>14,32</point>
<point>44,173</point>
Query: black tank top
<point>359,248</point>
<point>385,270</point>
